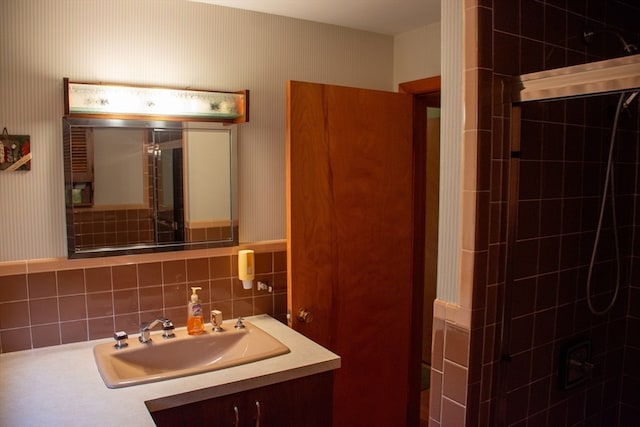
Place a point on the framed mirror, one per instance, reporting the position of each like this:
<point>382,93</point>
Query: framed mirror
<point>139,186</point>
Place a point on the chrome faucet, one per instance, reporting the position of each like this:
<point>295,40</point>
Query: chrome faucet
<point>167,329</point>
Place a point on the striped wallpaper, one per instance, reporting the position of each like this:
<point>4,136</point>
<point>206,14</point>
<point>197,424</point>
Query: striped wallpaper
<point>171,43</point>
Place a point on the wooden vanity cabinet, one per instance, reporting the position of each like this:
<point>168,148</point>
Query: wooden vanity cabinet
<point>304,401</point>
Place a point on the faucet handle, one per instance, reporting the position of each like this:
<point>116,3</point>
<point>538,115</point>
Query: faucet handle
<point>121,338</point>
<point>216,320</point>
<point>239,324</point>
<point>167,329</point>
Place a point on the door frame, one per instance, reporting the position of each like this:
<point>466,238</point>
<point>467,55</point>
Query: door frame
<point>420,89</point>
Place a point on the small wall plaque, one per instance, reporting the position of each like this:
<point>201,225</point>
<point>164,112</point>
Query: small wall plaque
<point>15,152</point>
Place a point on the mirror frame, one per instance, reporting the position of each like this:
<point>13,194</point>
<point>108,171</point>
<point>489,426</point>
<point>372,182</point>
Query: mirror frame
<point>141,248</point>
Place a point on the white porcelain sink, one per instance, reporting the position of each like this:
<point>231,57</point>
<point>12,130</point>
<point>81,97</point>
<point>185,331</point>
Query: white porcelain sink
<point>183,355</point>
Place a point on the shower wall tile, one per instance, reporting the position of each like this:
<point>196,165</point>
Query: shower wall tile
<point>561,163</point>
<point>86,299</point>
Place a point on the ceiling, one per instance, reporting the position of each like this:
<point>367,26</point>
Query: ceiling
<point>390,17</point>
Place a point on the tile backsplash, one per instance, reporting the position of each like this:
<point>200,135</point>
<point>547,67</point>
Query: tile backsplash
<point>64,301</point>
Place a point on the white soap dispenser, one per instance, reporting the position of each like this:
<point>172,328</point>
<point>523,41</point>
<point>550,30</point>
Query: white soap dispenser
<point>246,268</point>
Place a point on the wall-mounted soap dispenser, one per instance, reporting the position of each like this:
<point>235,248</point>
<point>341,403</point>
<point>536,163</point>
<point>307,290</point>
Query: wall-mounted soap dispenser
<point>246,268</point>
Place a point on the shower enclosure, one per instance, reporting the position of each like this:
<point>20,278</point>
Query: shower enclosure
<point>571,312</point>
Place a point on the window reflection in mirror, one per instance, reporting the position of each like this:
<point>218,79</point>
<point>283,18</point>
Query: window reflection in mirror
<point>137,186</point>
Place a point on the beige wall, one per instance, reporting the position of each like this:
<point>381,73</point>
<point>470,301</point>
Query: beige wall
<point>171,43</point>
<point>416,54</point>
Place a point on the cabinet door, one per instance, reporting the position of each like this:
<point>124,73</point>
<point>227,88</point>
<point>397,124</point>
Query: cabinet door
<point>304,402</point>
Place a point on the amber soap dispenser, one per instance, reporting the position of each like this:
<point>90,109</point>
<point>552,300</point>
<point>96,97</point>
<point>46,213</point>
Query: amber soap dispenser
<point>195,321</point>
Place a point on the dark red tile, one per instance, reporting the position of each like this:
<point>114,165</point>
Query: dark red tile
<point>74,331</point>
<point>45,335</point>
<point>125,301</point>
<point>101,327</point>
<point>125,276</point>
<point>151,298</point>
<point>263,304</point>
<point>70,282</point>
<point>100,304</point>
<point>44,310</point>
<point>221,289</point>
<point>15,340</point>
<point>98,279</point>
<point>150,274</point>
<point>279,261</point>
<point>220,267</point>
<point>129,323</point>
<point>243,307</point>
<point>238,290</point>
<point>14,314</point>
<point>197,269</point>
<point>174,271</point>
<point>264,263</point>
<point>42,285</point>
<point>13,288</point>
<point>175,295</point>
<point>72,307</point>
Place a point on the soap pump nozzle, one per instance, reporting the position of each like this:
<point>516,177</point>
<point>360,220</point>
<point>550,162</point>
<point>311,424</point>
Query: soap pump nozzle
<point>194,293</point>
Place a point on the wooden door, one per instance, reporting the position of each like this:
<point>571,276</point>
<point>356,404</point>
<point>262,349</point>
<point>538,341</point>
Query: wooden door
<point>350,223</point>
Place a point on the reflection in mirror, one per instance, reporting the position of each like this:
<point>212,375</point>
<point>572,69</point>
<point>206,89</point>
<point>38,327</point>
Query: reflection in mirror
<point>145,186</point>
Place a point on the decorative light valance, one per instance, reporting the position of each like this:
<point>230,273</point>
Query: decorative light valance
<point>121,101</point>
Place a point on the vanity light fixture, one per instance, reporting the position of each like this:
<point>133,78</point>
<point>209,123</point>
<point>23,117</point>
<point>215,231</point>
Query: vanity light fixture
<point>123,101</point>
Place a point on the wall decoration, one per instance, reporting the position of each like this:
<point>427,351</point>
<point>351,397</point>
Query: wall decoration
<point>15,152</point>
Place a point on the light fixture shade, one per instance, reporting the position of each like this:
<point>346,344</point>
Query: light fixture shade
<point>121,101</point>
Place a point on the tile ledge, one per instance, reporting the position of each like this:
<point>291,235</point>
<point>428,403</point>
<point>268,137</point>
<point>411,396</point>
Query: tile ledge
<point>38,265</point>
<point>452,313</point>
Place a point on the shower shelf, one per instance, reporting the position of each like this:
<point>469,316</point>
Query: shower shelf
<point>612,75</point>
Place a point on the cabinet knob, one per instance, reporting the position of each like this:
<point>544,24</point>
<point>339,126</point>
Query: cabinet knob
<point>305,316</point>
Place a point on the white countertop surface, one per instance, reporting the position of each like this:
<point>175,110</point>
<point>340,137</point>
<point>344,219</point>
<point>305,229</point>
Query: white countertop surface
<point>61,386</point>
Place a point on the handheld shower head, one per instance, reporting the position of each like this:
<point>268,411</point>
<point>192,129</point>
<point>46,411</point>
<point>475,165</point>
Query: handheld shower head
<point>630,99</point>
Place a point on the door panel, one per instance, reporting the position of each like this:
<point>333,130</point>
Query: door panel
<point>350,240</point>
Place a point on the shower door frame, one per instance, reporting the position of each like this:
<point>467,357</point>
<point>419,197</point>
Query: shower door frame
<point>595,78</point>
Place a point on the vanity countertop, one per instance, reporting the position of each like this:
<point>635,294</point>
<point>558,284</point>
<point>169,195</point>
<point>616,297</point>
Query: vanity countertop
<point>61,386</point>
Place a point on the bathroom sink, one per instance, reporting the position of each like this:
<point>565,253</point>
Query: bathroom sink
<point>183,355</point>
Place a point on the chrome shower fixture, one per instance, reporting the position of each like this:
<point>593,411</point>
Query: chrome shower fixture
<point>629,48</point>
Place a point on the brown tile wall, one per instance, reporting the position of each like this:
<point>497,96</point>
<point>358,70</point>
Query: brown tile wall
<point>506,38</point>
<point>81,300</point>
